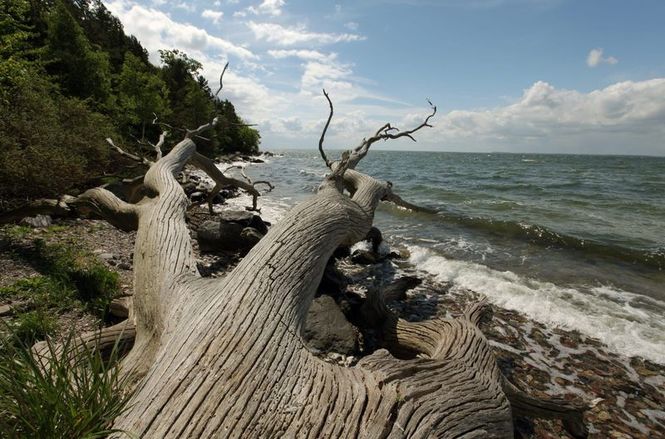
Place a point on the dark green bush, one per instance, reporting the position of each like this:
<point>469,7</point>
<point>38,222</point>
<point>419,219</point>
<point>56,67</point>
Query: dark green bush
<point>49,144</point>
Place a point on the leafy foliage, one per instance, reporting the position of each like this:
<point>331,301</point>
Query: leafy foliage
<point>70,76</point>
<point>48,143</point>
<point>142,93</point>
<point>82,71</point>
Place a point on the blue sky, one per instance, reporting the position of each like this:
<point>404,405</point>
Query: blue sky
<point>582,76</point>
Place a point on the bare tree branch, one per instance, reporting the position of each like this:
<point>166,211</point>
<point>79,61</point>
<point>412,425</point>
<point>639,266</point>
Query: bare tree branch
<point>221,79</point>
<point>398,201</point>
<point>386,133</point>
<point>124,153</point>
<point>325,128</point>
<point>160,143</point>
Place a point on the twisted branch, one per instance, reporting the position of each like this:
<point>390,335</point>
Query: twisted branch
<point>325,128</point>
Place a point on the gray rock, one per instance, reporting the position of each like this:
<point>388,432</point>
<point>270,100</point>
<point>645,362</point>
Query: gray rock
<point>327,330</point>
<point>38,221</point>
<point>364,257</point>
<point>6,310</point>
<point>251,236</point>
<point>233,230</point>
<point>375,237</point>
<point>218,199</point>
<point>107,256</point>
<point>219,235</point>
<point>189,187</point>
<point>245,218</point>
<point>197,197</point>
<point>398,288</point>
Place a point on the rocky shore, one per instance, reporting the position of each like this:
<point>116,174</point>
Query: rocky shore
<point>626,395</point>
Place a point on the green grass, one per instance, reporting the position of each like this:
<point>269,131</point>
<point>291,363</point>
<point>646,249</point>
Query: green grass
<point>78,396</point>
<point>80,393</point>
<point>17,231</point>
<point>29,327</point>
<point>72,279</point>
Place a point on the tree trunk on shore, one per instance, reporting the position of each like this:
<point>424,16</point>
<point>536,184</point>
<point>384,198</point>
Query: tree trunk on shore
<point>225,358</point>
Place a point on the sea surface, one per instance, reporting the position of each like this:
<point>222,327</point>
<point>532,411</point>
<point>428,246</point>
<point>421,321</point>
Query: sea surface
<point>572,241</point>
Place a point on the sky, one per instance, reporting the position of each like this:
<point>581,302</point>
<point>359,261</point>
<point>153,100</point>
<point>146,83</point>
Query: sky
<point>551,76</point>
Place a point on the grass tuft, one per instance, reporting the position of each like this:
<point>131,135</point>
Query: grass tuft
<point>77,396</point>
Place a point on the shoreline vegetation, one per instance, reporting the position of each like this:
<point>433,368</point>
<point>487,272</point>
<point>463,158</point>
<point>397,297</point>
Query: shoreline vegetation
<point>70,78</point>
<point>626,394</point>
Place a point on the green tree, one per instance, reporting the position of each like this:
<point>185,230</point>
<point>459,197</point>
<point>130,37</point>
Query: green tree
<point>14,43</point>
<point>141,93</point>
<point>49,144</point>
<point>82,71</point>
<point>191,101</point>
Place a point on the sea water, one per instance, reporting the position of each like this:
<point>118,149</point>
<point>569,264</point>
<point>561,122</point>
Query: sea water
<point>574,241</point>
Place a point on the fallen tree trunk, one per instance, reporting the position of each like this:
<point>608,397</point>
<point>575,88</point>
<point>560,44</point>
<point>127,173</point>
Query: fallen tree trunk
<point>225,357</point>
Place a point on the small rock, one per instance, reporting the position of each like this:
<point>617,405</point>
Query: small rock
<point>189,187</point>
<point>364,257</point>
<point>197,197</point>
<point>39,221</point>
<point>234,230</point>
<point>374,236</point>
<point>107,256</point>
<point>251,236</point>
<point>124,266</point>
<point>398,288</point>
<point>218,199</point>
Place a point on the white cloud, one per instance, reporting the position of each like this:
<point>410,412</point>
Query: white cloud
<point>156,30</point>
<point>547,118</point>
<point>307,55</point>
<point>189,7</point>
<point>268,7</point>
<point>351,25</point>
<point>215,16</point>
<point>289,36</point>
<point>318,75</point>
<point>595,57</point>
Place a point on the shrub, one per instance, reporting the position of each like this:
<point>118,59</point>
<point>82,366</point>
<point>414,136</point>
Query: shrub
<point>49,144</point>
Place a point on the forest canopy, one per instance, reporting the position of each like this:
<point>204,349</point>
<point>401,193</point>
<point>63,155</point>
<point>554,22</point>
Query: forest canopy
<point>70,77</point>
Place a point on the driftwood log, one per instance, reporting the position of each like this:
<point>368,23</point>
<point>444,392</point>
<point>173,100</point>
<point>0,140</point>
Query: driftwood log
<point>225,358</point>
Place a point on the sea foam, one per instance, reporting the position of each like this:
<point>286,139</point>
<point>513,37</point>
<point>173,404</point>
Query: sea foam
<point>620,319</point>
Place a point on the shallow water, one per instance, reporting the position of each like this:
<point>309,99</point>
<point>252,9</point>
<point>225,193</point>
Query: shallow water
<point>572,241</point>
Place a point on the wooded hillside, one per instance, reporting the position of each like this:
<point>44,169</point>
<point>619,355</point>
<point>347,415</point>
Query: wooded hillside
<point>70,77</point>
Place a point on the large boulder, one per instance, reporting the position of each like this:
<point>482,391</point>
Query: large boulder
<point>327,330</point>
<point>231,231</point>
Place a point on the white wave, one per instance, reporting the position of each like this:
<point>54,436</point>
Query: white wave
<point>614,317</point>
